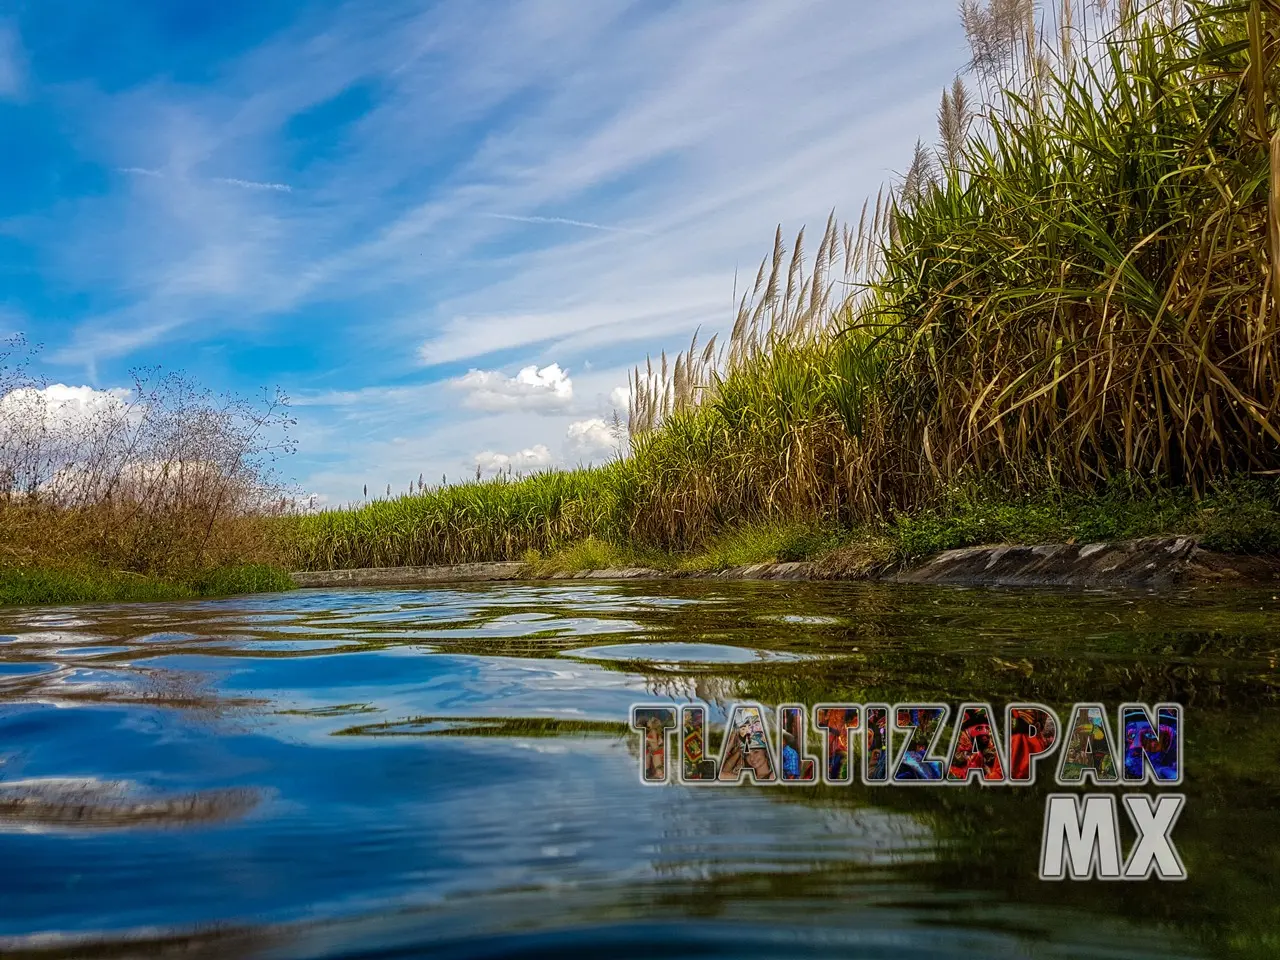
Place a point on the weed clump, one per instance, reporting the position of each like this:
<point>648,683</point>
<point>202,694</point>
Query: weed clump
<point>162,490</point>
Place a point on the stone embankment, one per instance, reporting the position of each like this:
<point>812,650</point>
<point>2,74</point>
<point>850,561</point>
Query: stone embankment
<point>1152,563</point>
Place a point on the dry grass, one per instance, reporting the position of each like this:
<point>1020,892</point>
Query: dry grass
<point>165,480</point>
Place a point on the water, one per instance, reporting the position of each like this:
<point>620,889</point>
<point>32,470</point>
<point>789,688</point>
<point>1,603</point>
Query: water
<point>448,771</point>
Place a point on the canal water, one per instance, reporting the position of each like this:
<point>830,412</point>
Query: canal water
<point>449,772</point>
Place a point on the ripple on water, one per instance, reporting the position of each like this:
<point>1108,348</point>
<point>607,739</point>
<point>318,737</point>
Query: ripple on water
<point>168,636</point>
<point>797,618</point>
<point>89,652</point>
<point>293,646</point>
<point>25,669</point>
<point>677,652</point>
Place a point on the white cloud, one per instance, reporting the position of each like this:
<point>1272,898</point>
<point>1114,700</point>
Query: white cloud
<point>254,184</point>
<point>139,481</point>
<point>12,64</point>
<point>533,458</point>
<point>59,408</point>
<point>548,388</point>
<point>620,397</point>
<point>594,439</point>
<point>229,181</point>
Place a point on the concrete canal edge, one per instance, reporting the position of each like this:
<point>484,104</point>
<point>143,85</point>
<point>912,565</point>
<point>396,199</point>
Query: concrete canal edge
<point>399,576</point>
<point>1151,563</point>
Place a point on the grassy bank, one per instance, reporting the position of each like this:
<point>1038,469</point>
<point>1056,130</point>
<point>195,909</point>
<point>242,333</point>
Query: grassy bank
<point>30,585</point>
<point>1243,518</point>
<point>555,522</point>
<point>1062,324</point>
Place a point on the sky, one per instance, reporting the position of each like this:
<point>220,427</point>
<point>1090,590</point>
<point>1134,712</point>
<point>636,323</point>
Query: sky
<point>446,230</point>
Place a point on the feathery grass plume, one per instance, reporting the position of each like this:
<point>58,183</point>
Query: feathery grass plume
<point>680,383</point>
<point>948,131</point>
<point>818,290</point>
<point>1036,64</point>
<point>987,45</point>
<point>1124,16</point>
<point>1066,32</point>
<point>794,278</point>
<point>920,176</point>
<point>962,104</point>
<point>1003,42</point>
<point>769,299</point>
<point>954,118</point>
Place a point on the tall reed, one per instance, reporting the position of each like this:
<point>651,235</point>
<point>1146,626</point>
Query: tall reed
<point>495,519</point>
<point>1082,287</point>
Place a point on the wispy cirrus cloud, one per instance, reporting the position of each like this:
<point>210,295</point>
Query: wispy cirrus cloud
<point>229,181</point>
<point>254,184</point>
<point>13,68</point>
<point>565,221</point>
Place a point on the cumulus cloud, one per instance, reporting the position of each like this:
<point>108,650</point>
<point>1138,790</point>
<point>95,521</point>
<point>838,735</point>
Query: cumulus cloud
<point>594,438</point>
<point>59,408</point>
<point>532,458</point>
<point>143,481</point>
<point>549,388</point>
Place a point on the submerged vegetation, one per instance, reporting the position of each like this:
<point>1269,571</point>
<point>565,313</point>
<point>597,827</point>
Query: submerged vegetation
<point>1062,323</point>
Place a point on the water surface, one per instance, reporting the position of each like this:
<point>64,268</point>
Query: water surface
<point>391,772</point>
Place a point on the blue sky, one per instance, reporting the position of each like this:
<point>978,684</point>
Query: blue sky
<point>391,209</point>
